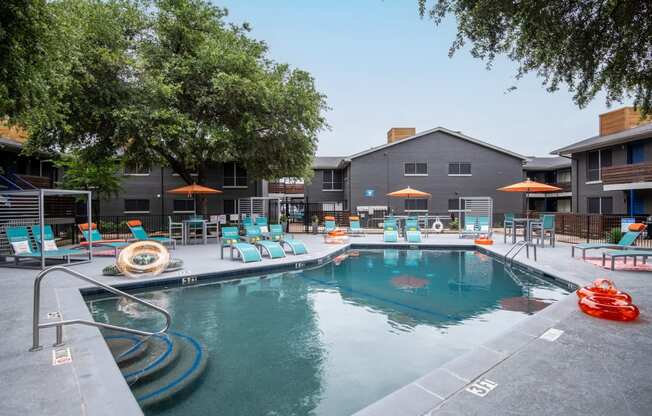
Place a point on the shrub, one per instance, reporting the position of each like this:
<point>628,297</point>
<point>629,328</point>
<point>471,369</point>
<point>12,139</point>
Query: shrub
<point>614,236</point>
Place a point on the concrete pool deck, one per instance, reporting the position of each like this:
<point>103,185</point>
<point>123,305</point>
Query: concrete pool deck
<point>594,367</point>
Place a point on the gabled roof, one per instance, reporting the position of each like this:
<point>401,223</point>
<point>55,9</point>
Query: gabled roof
<point>547,163</point>
<point>328,162</point>
<point>443,130</point>
<point>640,132</point>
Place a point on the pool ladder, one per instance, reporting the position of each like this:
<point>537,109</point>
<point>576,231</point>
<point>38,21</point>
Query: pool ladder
<point>516,248</point>
<point>37,325</point>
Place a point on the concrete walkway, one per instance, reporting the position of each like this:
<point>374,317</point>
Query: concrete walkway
<point>593,359</point>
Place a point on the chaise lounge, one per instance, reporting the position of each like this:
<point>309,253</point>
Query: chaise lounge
<point>231,238</point>
<point>625,242</point>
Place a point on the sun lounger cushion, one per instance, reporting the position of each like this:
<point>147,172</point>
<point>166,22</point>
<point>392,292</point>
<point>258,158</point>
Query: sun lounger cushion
<point>636,227</point>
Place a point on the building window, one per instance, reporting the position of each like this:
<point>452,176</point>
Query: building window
<point>137,206</point>
<point>454,204</point>
<point>459,169</point>
<point>415,169</point>
<point>416,205</point>
<point>135,170</point>
<point>183,205</point>
<point>600,205</point>
<point>332,180</point>
<point>564,176</point>
<point>230,206</point>
<point>332,206</point>
<point>595,162</point>
<point>235,175</point>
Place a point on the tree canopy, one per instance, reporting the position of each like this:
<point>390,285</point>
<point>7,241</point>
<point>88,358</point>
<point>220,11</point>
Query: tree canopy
<point>591,46</point>
<point>169,81</point>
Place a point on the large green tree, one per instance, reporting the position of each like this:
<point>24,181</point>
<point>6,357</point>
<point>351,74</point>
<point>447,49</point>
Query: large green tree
<point>589,45</point>
<point>169,81</point>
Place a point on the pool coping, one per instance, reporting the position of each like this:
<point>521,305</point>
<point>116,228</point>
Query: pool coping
<point>419,397</point>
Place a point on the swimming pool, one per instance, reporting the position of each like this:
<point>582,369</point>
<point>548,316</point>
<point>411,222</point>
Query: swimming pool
<point>335,338</point>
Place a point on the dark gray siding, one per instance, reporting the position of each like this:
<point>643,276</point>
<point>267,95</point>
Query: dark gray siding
<point>154,187</point>
<point>383,171</point>
<point>314,191</point>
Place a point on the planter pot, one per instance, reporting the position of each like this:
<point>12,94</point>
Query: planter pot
<point>315,228</point>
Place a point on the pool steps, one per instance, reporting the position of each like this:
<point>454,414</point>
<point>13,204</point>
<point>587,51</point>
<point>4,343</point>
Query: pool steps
<point>158,367</point>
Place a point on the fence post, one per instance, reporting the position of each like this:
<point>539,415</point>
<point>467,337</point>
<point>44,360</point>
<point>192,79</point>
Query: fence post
<point>588,228</point>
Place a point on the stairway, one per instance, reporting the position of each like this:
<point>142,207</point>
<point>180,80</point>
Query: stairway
<point>158,367</point>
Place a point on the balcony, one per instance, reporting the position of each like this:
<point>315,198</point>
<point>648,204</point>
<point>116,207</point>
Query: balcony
<point>41,182</point>
<point>565,191</point>
<point>624,177</point>
<point>286,188</point>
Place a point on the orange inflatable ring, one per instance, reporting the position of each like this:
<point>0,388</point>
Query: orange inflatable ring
<point>606,307</point>
<point>603,287</point>
<point>484,241</point>
<point>336,233</point>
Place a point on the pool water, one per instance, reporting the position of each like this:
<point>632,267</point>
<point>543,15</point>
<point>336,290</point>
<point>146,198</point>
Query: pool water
<point>333,339</point>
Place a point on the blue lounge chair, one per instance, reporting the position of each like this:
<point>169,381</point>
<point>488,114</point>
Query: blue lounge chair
<point>329,224</point>
<point>247,221</point>
<point>626,241</point>
<point>390,231</point>
<point>231,238</point>
<point>412,232</point>
<point>354,226</point>
<point>474,225</point>
<point>139,233</point>
<point>20,236</point>
<point>254,236</point>
<point>613,254</point>
<point>261,221</point>
<point>98,240</point>
<point>276,234</point>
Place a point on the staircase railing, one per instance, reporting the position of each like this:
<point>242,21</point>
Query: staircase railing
<point>37,325</point>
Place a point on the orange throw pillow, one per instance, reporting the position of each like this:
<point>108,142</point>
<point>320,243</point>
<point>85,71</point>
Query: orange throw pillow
<point>638,227</point>
<point>134,223</point>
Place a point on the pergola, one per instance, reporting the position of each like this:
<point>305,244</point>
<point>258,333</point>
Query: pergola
<point>27,208</point>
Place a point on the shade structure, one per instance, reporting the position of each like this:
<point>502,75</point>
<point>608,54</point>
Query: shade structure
<point>409,193</point>
<point>194,189</point>
<point>529,187</point>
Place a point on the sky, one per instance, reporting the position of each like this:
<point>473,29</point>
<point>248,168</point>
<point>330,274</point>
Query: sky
<point>381,66</point>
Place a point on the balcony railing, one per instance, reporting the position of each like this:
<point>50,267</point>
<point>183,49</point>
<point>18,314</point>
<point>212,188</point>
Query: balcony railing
<point>285,188</point>
<point>42,182</point>
<point>639,172</point>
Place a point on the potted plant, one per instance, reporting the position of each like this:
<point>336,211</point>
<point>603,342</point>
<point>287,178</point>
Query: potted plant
<point>284,222</point>
<point>315,224</point>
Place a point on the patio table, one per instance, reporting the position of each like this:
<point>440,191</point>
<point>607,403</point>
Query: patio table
<point>194,224</point>
<point>527,222</point>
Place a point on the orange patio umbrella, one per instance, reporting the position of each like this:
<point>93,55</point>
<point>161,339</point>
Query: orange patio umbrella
<point>194,189</point>
<point>409,193</point>
<point>528,186</point>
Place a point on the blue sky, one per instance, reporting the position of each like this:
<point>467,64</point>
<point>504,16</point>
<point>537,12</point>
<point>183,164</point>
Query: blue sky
<point>382,66</point>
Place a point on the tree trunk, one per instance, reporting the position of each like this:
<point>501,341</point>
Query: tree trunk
<point>202,199</point>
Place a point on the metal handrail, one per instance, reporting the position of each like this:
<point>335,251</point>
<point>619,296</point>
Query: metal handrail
<point>519,246</point>
<point>37,325</point>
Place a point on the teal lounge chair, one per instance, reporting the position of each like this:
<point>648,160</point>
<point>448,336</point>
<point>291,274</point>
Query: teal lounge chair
<point>255,237</point>
<point>247,221</point>
<point>276,234</point>
<point>613,254</point>
<point>412,232</point>
<point>18,235</point>
<point>98,240</point>
<point>231,238</point>
<point>474,225</point>
<point>261,221</point>
<point>139,233</point>
<point>329,224</point>
<point>354,226</point>
<point>390,231</point>
<point>626,241</point>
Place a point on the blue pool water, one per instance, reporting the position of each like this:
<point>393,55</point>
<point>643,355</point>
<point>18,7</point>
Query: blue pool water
<point>333,339</point>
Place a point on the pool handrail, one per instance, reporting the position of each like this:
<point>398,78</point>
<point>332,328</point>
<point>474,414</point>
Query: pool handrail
<point>37,325</point>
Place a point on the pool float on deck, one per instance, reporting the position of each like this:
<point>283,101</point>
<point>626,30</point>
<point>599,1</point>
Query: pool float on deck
<point>484,241</point>
<point>603,300</point>
<point>143,258</point>
<point>603,287</point>
<point>336,237</point>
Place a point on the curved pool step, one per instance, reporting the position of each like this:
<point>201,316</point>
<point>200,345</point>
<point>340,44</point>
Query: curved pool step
<point>126,348</point>
<point>161,354</point>
<point>188,366</point>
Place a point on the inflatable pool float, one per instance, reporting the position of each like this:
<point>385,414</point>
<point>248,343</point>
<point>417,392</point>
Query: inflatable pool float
<point>603,300</point>
<point>143,258</point>
<point>484,241</point>
<point>606,307</point>
<point>354,253</point>
<point>174,265</point>
<point>336,237</point>
<point>603,287</point>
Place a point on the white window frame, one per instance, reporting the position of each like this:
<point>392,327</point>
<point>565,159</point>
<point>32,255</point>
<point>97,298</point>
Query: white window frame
<point>459,174</point>
<point>125,173</point>
<point>138,212</point>
<point>332,171</point>
<point>235,168</point>
<point>415,168</point>
<point>599,165</point>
